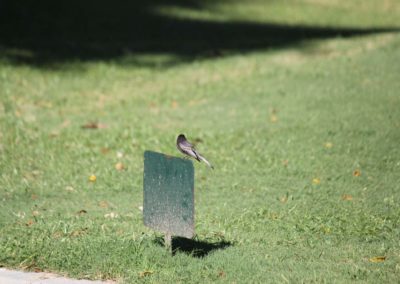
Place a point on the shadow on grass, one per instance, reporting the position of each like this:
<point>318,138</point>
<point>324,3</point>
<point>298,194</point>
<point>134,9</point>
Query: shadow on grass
<point>195,248</point>
<point>46,33</point>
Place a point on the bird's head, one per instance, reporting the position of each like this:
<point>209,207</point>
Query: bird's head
<point>181,137</point>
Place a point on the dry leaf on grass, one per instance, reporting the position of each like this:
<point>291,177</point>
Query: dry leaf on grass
<point>92,178</point>
<point>103,204</point>
<point>377,259</point>
<point>78,233</point>
<point>328,145</point>
<point>81,212</point>
<point>357,173</point>
<point>174,104</point>
<point>145,273</point>
<point>94,125</point>
<point>347,197</point>
<point>316,181</point>
<point>119,166</point>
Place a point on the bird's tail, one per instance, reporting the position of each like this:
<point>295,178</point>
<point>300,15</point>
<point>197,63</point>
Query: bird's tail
<point>205,161</point>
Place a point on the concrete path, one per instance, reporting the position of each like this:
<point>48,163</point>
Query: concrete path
<point>19,277</point>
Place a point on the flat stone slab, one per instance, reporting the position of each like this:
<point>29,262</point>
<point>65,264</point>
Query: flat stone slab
<point>20,277</point>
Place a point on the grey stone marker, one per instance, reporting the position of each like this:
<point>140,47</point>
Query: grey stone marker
<point>168,204</point>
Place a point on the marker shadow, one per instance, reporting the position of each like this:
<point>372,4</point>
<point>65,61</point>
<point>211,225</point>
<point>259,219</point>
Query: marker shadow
<point>194,248</point>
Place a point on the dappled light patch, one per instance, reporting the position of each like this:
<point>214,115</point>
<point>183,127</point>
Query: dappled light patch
<point>111,215</point>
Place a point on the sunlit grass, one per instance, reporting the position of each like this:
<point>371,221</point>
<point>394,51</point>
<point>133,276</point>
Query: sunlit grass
<point>304,140</point>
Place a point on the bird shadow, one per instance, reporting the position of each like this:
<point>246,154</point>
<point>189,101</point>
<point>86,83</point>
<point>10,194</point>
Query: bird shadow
<point>193,247</point>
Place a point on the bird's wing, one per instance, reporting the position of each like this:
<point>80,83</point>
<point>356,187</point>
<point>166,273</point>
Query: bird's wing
<point>188,150</point>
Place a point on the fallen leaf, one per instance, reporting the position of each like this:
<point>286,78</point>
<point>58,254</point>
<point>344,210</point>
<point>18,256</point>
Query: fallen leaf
<point>34,196</point>
<point>273,118</point>
<point>316,181</point>
<point>57,234</point>
<point>78,233</point>
<point>377,259</point>
<point>81,212</point>
<point>154,108</point>
<point>326,230</point>
<point>174,104</point>
<point>104,150</point>
<point>103,204</point>
<point>44,104</point>
<point>119,166</point>
<point>54,134</point>
<point>284,198</point>
<point>94,125</point>
<point>145,273</point>
<point>328,145</point>
<point>65,124</point>
<point>92,178</point>
<point>357,173</point>
<point>196,102</point>
<point>347,197</point>
<point>285,163</point>
<point>221,273</point>
<point>30,223</point>
<point>35,213</point>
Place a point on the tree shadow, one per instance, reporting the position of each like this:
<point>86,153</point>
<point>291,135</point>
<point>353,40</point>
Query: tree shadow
<point>45,33</point>
<point>194,248</point>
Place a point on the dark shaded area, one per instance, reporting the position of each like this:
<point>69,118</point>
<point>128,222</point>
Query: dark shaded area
<point>195,248</point>
<point>50,32</point>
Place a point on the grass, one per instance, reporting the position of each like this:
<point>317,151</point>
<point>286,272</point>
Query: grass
<point>304,139</point>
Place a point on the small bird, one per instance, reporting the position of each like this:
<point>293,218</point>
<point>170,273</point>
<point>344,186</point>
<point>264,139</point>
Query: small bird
<point>188,149</point>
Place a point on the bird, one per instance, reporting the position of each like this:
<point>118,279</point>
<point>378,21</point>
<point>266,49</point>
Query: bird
<point>188,149</point>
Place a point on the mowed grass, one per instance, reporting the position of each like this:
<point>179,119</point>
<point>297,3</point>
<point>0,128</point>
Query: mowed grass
<point>304,139</point>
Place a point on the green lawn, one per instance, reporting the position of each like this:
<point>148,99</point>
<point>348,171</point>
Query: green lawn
<point>304,135</point>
